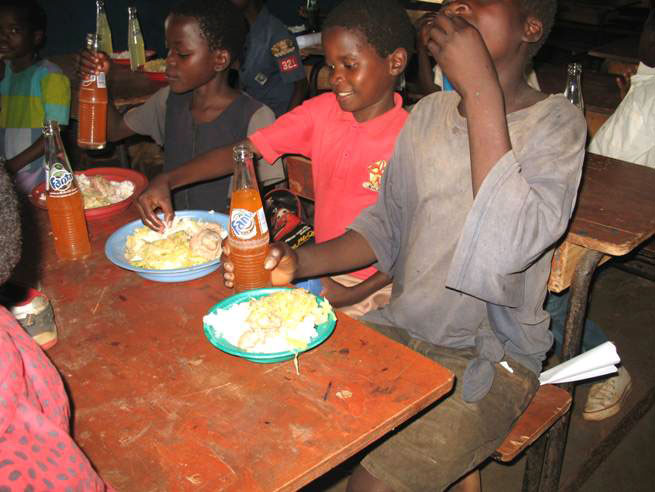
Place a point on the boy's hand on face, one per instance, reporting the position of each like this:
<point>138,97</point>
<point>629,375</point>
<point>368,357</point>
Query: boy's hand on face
<point>282,262</point>
<point>423,26</point>
<point>91,63</point>
<point>157,196</point>
<point>459,49</point>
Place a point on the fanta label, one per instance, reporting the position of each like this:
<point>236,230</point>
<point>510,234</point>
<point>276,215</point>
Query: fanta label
<point>243,224</point>
<point>59,178</point>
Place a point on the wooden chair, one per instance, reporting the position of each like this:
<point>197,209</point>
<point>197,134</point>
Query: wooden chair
<point>549,404</point>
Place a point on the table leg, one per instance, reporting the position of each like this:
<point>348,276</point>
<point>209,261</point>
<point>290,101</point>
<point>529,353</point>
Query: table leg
<point>575,318</point>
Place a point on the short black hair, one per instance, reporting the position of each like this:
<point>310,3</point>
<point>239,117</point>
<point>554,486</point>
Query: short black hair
<point>384,23</point>
<point>221,23</point>
<point>33,12</point>
<point>545,11</point>
<point>10,233</point>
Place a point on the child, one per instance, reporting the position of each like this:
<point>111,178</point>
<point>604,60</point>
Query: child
<point>32,91</point>
<point>35,445</point>
<point>349,134</point>
<point>272,71</point>
<point>198,111</point>
<point>629,134</point>
<point>480,187</point>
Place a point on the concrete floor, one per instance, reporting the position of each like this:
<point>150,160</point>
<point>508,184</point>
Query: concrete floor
<point>624,306</point>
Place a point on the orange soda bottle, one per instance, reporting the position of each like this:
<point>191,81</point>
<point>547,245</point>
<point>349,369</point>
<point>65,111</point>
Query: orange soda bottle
<point>64,199</point>
<point>248,236</point>
<point>93,100</point>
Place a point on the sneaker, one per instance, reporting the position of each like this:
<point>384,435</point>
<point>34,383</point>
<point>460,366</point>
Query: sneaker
<point>37,318</point>
<point>605,398</point>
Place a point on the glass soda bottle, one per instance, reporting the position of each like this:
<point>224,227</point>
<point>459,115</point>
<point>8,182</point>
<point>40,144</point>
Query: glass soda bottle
<point>63,199</point>
<point>102,29</point>
<point>248,236</point>
<point>573,89</point>
<point>92,130</point>
<point>135,43</point>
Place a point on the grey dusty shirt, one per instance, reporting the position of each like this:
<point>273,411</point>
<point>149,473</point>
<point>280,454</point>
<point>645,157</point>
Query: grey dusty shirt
<point>462,266</point>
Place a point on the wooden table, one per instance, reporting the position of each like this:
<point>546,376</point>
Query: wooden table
<point>619,56</point>
<point>615,213</point>
<point>126,88</point>
<point>159,408</point>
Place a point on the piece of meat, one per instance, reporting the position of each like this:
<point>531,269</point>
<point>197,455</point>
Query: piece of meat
<point>207,243</point>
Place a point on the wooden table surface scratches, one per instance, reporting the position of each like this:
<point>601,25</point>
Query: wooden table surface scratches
<point>157,407</point>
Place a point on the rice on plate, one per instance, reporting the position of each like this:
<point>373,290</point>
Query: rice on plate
<point>284,321</point>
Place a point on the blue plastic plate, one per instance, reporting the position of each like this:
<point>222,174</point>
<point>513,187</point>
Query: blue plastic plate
<point>324,329</point>
<point>115,250</point>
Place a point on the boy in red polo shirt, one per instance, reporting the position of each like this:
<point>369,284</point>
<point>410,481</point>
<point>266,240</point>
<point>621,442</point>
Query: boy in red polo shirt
<point>349,134</point>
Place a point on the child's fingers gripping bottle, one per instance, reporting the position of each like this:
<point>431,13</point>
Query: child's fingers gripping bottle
<point>248,235</point>
<point>64,199</point>
<point>93,99</point>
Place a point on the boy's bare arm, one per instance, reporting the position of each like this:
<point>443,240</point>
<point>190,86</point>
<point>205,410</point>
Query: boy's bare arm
<point>346,253</point>
<point>213,164</point>
<point>460,50</point>
<point>31,153</point>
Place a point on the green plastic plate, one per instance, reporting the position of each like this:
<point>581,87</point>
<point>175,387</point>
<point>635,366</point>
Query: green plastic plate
<point>324,329</point>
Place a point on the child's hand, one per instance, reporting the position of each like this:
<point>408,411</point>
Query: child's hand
<point>157,196</point>
<point>282,261</point>
<point>423,26</point>
<point>91,63</point>
<point>337,294</point>
<point>459,49</point>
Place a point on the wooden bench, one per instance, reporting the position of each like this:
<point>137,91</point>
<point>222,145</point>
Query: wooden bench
<point>549,404</point>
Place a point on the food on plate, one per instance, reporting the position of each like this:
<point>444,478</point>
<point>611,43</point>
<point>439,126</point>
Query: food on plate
<point>185,243</point>
<point>98,191</point>
<point>280,322</point>
<point>156,65</point>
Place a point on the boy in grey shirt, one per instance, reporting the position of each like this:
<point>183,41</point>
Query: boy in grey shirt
<point>481,186</point>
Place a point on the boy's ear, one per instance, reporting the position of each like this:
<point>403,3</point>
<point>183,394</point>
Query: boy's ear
<point>533,29</point>
<point>397,61</point>
<point>222,60</point>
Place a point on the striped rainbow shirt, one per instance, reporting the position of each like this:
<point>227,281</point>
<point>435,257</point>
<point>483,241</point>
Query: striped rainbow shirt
<point>29,97</point>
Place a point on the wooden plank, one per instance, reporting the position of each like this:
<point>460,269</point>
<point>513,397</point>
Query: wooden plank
<point>299,173</point>
<point>565,260</point>
<point>548,405</point>
<point>616,210</point>
<point>159,408</point>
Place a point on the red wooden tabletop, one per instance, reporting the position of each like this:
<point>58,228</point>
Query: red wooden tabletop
<point>616,206</point>
<point>157,407</point>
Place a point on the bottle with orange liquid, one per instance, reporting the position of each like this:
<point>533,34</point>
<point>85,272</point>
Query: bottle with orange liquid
<point>248,235</point>
<point>92,131</point>
<point>63,199</point>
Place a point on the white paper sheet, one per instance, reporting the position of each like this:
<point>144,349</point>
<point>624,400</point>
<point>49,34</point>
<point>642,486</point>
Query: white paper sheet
<point>596,362</point>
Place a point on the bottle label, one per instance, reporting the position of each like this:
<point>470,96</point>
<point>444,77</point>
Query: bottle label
<point>60,180</point>
<point>101,80</point>
<point>243,224</point>
<point>261,217</point>
<point>88,80</point>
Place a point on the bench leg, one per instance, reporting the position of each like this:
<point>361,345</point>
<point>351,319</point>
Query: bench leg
<point>534,464</point>
<point>575,317</point>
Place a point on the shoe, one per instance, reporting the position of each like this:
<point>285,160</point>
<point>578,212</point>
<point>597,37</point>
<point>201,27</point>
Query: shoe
<point>606,398</point>
<point>36,316</point>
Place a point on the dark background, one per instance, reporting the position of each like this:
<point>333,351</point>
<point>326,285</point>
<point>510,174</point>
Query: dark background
<point>69,20</point>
